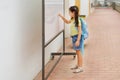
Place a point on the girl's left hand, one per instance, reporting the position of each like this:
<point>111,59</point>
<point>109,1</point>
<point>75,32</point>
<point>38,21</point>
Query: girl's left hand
<point>77,43</point>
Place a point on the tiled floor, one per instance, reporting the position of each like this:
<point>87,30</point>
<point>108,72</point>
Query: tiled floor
<point>102,50</point>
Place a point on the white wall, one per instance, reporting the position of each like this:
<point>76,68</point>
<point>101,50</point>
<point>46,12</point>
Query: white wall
<point>71,3</point>
<point>84,7</point>
<point>20,39</point>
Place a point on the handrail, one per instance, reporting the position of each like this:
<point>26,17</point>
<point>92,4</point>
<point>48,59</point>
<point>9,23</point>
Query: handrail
<point>53,38</point>
<point>116,4</point>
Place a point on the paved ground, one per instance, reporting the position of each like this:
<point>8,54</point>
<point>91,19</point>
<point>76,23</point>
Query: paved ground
<point>102,50</point>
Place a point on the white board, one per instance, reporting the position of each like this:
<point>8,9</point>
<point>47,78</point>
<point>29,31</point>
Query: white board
<point>53,24</point>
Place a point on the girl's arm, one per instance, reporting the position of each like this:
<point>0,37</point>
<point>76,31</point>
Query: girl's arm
<point>79,33</point>
<point>64,19</point>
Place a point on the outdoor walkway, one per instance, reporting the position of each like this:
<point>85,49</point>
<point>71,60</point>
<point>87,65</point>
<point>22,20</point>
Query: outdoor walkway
<point>102,50</point>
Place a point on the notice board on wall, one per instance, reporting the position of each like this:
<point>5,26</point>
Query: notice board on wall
<point>53,24</point>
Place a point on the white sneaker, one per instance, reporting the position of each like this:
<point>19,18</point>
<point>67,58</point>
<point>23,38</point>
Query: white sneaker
<point>78,70</point>
<point>73,68</point>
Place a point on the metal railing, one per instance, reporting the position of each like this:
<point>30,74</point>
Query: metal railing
<point>116,6</point>
<point>98,4</point>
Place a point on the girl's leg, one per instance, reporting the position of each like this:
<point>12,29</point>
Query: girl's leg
<point>79,58</point>
<point>79,62</point>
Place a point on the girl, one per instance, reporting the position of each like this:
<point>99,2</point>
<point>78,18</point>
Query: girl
<point>75,27</point>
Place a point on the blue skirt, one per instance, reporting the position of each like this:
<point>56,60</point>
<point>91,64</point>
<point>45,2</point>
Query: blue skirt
<point>81,46</point>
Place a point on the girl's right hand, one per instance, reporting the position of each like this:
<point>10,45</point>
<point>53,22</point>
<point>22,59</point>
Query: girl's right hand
<point>77,43</point>
<point>59,15</point>
<point>64,19</point>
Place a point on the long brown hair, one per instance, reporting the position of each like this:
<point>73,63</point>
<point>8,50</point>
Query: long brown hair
<point>76,11</point>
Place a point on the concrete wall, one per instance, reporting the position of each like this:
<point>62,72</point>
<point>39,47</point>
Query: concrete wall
<point>20,39</point>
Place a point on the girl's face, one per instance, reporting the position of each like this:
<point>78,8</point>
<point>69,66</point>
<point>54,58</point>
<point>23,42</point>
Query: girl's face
<point>71,14</point>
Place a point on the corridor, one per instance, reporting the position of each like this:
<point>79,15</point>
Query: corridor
<point>102,57</point>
